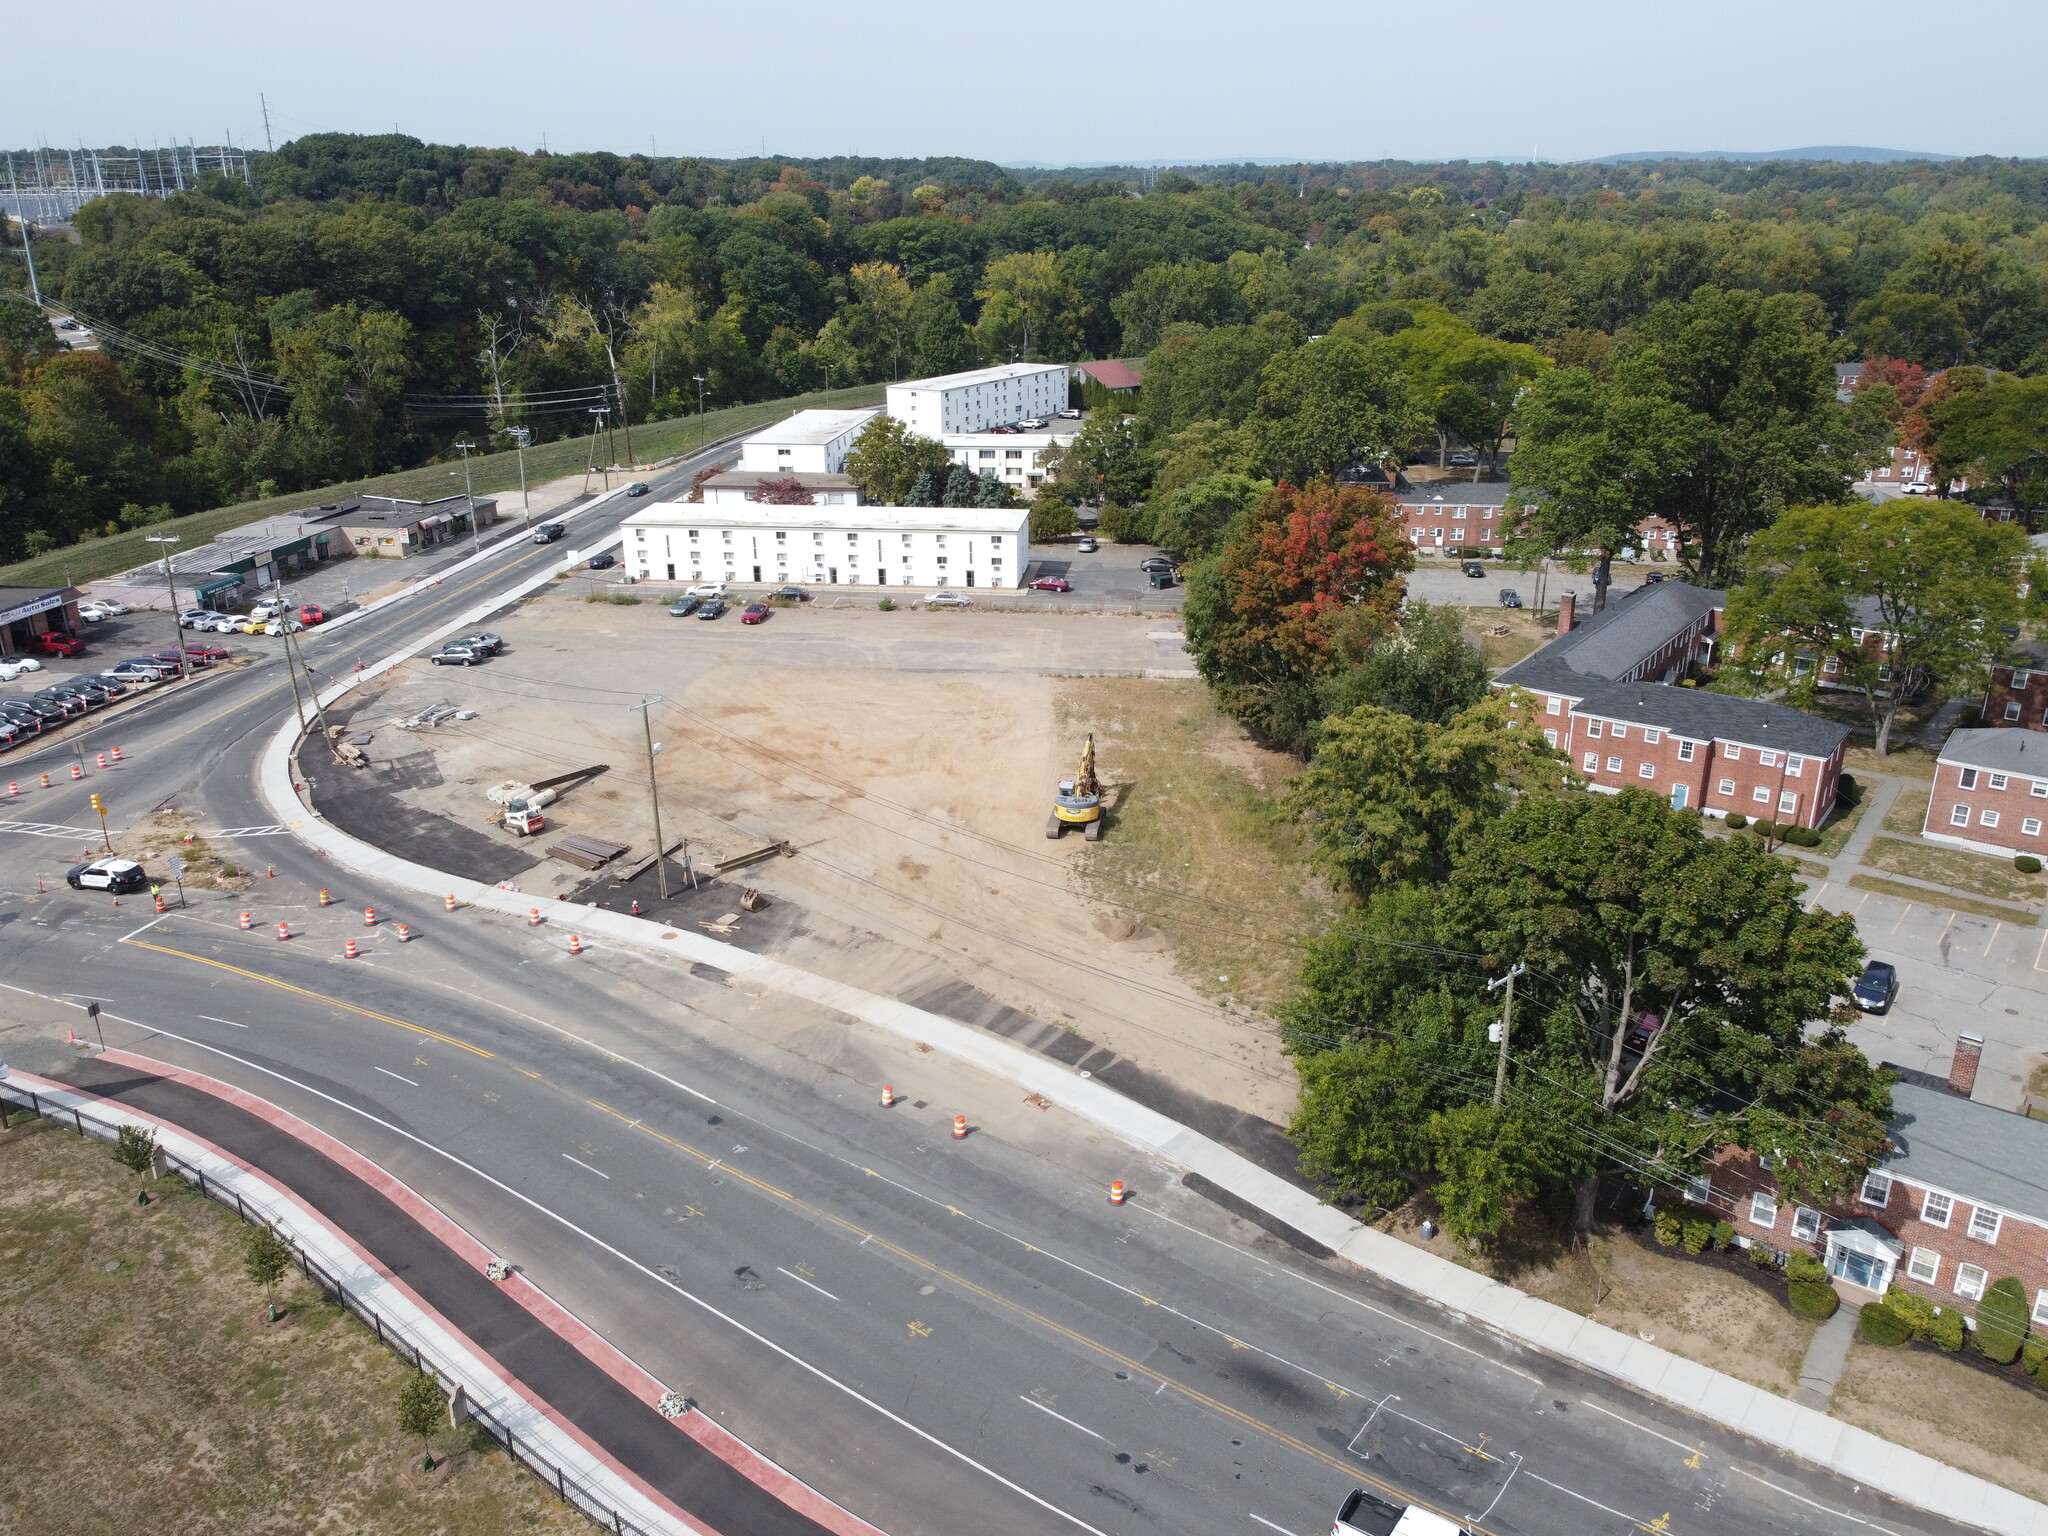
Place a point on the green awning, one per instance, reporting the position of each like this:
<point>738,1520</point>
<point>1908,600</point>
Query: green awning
<point>221,584</point>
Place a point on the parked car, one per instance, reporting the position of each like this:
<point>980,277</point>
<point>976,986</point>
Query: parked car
<point>54,644</point>
<point>1087,547</point>
<point>1070,414</point>
<point>117,875</point>
<point>12,667</point>
<point>1474,568</point>
<point>13,733</point>
<point>1155,563</point>
<point>1002,431</point>
<point>1643,1031</point>
<point>603,562</point>
<point>281,626</point>
<point>1876,987</point>
<point>547,533</point>
<point>196,618</point>
<point>755,613</point>
<point>1462,460</point>
<point>1052,584</point>
<point>713,607</point>
<point>708,589</point>
<point>483,640</point>
<point>155,667</point>
<point>1510,598</point>
<point>30,711</point>
<point>86,689</point>
<point>948,600</point>
<point>794,594</point>
<point>1367,1514</point>
<point>92,613</point>
<point>684,606</point>
<point>133,672</point>
<point>175,659</point>
<point>116,686</point>
<point>456,654</point>
<point>1032,424</point>
<point>637,488</point>
<point>312,613</point>
<point>201,651</point>
<point>66,704</point>
<point>1652,578</point>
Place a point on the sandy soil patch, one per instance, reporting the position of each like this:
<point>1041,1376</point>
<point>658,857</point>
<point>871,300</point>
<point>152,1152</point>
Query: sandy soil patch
<point>1947,1410</point>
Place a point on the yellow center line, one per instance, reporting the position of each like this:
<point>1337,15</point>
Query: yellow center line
<point>1350,1469</point>
<point>318,997</point>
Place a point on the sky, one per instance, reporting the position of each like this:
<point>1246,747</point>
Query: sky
<point>1187,81</point>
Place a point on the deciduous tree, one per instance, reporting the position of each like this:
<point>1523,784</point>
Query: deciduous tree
<point>887,458</point>
<point>1331,407</point>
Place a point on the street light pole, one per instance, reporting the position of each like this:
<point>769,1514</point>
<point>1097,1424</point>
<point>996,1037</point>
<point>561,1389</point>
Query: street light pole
<point>646,710</point>
<point>476,533</point>
<point>1506,1028</point>
<point>700,392</point>
<point>169,541</point>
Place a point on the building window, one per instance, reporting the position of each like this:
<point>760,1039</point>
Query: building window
<point>2031,827</point>
<point>2041,1306</point>
<point>1959,816</point>
<point>1620,731</point>
<point>1614,765</point>
<point>1761,793</point>
<point>1646,770</point>
<point>1593,729</point>
<point>782,538</point>
<point>1967,779</point>
<point>1998,781</point>
<point>1805,1224</point>
<point>1924,1265</point>
<point>1984,1224</point>
<point>1685,751</point>
<point>1787,803</point>
<point>1935,1208</point>
<point>2019,679</point>
<point>1725,787</point>
<point>1794,766</point>
<point>2040,789</point>
<point>1652,736</point>
<point>2012,709</point>
<point>1554,707</point>
<point>996,540</point>
<point>1768,759</point>
<point>1877,1189</point>
<point>1733,753</point>
<point>1987,818</point>
<point>1592,762</point>
<point>1763,1210</point>
<point>1551,737</point>
<point>1970,1280</point>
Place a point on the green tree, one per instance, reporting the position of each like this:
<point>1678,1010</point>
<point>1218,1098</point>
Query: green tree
<point>1205,448</point>
<point>1207,375</point>
<point>887,458</point>
<point>1426,669</point>
<point>1193,520</point>
<point>676,336</point>
<point>1171,293</point>
<point>1028,308</point>
<point>265,1257</point>
<point>421,1411</point>
<point>1330,407</point>
<point>939,340</point>
<point>1392,799</point>
<point>1477,386</point>
<point>135,1149</point>
<point>347,366</point>
<point>1990,430</point>
<point>1900,598</point>
<point>1109,460</point>
<point>1051,517</point>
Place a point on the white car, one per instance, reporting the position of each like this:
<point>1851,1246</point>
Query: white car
<point>1070,415</point>
<point>108,605</point>
<point>219,624</point>
<point>708,589</point>
<point>1033,423</point>
<point>116,875</point>
<point>92,613</point>
<point>197,618</point>
<point>12,667</point>
<point>948,600</point>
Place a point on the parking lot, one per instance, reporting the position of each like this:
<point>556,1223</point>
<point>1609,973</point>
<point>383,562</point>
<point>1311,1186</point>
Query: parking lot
<point>108,643</point>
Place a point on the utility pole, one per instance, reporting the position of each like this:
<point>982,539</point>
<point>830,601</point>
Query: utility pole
<point>169,542</point>
<point>268,142</point>
<point>1502,1030</point>
<point>700,392</point>
<point>646,709</point>
<point>476,533</point>
<point>521,437</point>
<point>291,671</point>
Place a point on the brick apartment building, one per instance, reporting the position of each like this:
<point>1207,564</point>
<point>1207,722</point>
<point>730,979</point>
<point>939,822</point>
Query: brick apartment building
<point>1608,694</point>
<point>1450,515</point>
<point>1961,1202</point>
<point>1991,792</point>
<point>2018,697</point>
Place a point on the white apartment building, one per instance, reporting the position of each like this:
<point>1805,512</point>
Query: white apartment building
<point>808,443</point>
<point>753,542</point>
<point>975,401</point>
<point>1016,458</point>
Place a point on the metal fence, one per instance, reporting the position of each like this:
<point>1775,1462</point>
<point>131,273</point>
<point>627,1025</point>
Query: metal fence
<point>392,1334</point>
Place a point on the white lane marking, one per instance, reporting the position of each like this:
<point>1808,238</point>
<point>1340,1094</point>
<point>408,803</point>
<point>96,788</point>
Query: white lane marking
<point>47,829</point>
<point>1632,1424</point>
<point>389,1073</point>
<point>272,830</point>
<point>1516,1457</point>
<point>144,928</point>
<point>1802,1498</point>
<point>800,1280</point>
<point>662,1280</point>
<point>1560,1487</point>
<point>578,1162</point>
<point>1269,1525</point>
<point>212,1020</point>
<point>1060,1416</point>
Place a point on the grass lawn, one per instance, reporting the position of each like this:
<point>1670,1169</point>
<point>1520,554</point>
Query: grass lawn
<point>1197,811</point>
<point>1948,1410</point>
<point>1977,873</point>
<point>489,472</point>
<point>146,1392</point>
<point>1898,888</point>
<point>1835,835</point>
<point>1904,762</point>
<point>1908,812</point>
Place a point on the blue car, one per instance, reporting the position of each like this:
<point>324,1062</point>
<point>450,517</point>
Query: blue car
<point>1876,987</point>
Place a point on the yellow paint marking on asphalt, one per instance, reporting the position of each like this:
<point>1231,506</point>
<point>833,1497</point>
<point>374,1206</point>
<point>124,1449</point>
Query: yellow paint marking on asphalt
<point>1350,1469</point>
<point>333,1002</point>
<point>920,1330</point>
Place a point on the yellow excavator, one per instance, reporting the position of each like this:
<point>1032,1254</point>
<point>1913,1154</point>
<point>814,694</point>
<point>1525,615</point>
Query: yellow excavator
<point>1079,801</point>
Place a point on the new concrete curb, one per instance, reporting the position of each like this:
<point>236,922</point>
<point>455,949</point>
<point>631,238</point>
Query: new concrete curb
<point>1877,1464</point>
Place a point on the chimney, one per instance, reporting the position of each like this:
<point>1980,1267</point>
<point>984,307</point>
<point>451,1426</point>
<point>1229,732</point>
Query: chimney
<point>1565,608</point>
<point>1962,1071</point>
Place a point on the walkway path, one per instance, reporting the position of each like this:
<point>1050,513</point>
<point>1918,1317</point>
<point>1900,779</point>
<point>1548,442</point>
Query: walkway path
<point>1825,1356</point>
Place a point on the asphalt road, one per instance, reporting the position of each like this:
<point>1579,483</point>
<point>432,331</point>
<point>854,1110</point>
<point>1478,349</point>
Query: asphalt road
<point>944,1335</point>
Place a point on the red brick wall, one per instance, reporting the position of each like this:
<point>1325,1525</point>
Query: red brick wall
<point>1719,776</point>
<point>2017,699</point>
<point>2010,797</point>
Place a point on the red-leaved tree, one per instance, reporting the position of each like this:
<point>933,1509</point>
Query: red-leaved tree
<point>786,492</point>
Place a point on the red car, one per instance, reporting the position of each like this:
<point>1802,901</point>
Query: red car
<point>1052,584</point>
<point>312,613</point>
<point>59,645</point>
<point>755,613</point>
<point>204,653</point>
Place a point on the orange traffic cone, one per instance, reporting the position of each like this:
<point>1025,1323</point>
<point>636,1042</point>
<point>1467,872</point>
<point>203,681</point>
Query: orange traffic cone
<point>959,1127</point>
<point>636,909</point>
<point>160,902</point>
<point>270,871</point>
<point>404,934</point>
<point>449,902</point>
<point>117,754</point>
<point>284,931</point>
<point>533,917</point>
<point>246,922</point>
<point>369,917</point>
<point>1116,1191</point>
<point>888,1097</point>
<point>77,773</point>
<point>13,789</point>
<point>326,900</point>
<point>102,760</point>
<point>575,945</point>
<point>349,949</point>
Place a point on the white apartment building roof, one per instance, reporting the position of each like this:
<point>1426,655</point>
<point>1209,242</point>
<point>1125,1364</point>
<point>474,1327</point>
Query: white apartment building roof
<point>813,428</point>
<point>754,514</point>
<point>974,376</point>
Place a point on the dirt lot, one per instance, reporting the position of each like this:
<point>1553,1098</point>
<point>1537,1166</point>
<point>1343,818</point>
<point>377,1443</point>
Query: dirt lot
<point>146,1391</point>
<point>911,758</point>
<point>1947,1410</point>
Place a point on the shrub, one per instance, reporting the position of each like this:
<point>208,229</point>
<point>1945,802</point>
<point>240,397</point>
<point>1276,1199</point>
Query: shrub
<point>1724,1236</point>
<point>1803,837</point>
<point>1881,1326</point>
<point>2001,1322</point>
<point>2033,1355</point>
<point>1766,827</point>
<point>1698,1232</point>
<point>1669,1228</point>
<point>1947,1332</point>
<point>1848,793</point>
<point>1762,1257</point>
<point>1805,1269</point>
<point>1917,1311</point>
<point>1737,820</point>
<point>887,605</point>
<point>2026,864</point>
<point>1812,1300</point>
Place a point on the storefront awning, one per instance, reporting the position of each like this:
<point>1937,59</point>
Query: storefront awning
<point>218,584</point>
<point>434,521</point>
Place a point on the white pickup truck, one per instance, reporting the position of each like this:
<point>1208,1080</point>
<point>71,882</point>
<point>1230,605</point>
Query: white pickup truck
<point>1363,1514</point>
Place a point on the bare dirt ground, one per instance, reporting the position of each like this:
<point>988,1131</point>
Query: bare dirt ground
<point>1947,1410</point>
<point>911,758</point>
<point>147,1392</point>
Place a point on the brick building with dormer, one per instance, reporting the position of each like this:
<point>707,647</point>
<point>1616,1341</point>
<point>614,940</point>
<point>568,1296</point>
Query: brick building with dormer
<point>1991,792</point>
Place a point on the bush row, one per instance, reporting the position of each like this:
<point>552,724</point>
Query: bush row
<point>2000,1336</point>
<point>1798,837</point>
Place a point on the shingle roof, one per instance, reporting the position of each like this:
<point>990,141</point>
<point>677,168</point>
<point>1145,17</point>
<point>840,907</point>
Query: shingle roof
<point>2002,751</point>
<point>1970,1149</point>
<point>1607,646</point>
<point>1699,716</point>
<point>1456,493</point>
<point>1111,374</point>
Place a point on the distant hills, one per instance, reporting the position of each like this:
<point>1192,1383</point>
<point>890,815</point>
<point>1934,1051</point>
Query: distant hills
<point>1846,153</point>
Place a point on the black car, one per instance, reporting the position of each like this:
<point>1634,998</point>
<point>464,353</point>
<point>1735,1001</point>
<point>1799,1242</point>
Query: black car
<point>1876,987</point>
<point>637,488</point>
<point>25,721</point>
<point>793,594</point>
<point>114,685</point>
<point>1155,563</point>
<point>457,656</point>
<point>88,689</point>
<point>65,703</point>
<point>1474,568</point>
<point>28,711</point>
<point>603,562</point>
<point>1653,578</point>
<point>712,608</point>
<point>483,640</point>
<point>1510,598</point>
<point>547,533</point>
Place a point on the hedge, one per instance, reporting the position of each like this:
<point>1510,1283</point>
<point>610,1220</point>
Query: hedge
<point>1882,1326</point>
<point>1810,1299</point>
<point>2001,1322</point>
<point>1947,1332</point>
<point>1669,1228</point>
<point>2026,864</point>
<point>1737,820</point>
<point>1698,1233</point>
<point>1847,791</point>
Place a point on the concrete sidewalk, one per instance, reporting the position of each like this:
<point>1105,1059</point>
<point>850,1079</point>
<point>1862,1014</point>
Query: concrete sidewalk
<point>1877,1464</point>
<point>517,1357</point>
